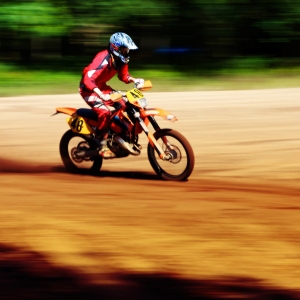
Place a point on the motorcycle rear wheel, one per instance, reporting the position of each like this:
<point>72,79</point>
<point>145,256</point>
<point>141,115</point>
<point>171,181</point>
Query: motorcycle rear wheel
<point>68,146</point>
<point>181,166</point>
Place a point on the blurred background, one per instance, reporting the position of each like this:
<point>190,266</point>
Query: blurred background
<point>47,42</point>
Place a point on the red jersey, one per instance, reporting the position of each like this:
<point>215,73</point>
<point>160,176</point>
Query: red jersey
<point>101,70</point>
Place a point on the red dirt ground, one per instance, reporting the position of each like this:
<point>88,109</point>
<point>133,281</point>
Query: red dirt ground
<point>231,230</point>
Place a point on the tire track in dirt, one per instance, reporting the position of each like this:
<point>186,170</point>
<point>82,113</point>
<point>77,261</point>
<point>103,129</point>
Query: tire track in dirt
<point>14,166</point>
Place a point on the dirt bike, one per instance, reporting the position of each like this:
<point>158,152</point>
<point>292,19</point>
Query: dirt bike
<point>169,153</point>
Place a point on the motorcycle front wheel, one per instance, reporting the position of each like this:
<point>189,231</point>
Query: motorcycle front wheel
<point>70,144</point>
<point>181,160</point>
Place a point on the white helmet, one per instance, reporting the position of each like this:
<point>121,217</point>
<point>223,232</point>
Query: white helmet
<point>119,44</point>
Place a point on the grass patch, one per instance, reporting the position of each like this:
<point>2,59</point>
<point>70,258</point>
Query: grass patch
<point>15,81</point>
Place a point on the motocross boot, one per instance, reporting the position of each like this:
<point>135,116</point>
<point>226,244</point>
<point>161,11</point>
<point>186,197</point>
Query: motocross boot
<point>101,138</point>
<point>104,151</point>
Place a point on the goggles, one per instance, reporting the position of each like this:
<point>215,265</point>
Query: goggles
<point>124,51</point>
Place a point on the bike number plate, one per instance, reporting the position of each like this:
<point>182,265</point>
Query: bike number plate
<point>79,125</point>
<point>134,95</point>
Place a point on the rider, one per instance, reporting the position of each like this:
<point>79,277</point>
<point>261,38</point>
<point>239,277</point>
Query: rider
<point>94,90</point>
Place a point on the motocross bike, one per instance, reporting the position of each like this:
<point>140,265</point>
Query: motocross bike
<point>169,153</point>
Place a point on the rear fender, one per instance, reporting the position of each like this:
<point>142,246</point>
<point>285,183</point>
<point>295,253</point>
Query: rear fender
<point>77,124</point>
<point>66,110</point>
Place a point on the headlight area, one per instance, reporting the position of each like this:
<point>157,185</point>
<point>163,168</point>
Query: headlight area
<point>143,102</point>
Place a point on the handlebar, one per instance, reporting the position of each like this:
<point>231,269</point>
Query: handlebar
<point>118,96</point>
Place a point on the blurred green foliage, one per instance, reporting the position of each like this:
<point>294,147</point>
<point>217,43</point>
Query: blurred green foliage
<point>194,38</point>
<point>34,18</point>
<point>15,81</point>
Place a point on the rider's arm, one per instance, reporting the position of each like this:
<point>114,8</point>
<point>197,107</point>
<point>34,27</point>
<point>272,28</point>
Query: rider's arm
<point>98,92</point>
<point>131,79</point>
<point>94,70</point>
<point>101,95</point>
<point>124,75</point>
<point>127,78</point>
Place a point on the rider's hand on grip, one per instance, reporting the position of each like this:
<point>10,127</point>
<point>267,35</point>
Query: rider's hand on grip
<point>105,97</point>
<point>139,83</point>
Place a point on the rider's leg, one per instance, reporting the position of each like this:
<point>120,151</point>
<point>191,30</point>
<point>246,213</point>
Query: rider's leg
<point>103,113</point>
<point>103,119</point>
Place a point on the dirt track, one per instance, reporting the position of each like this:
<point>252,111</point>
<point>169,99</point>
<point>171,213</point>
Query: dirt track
<point>231,230</point>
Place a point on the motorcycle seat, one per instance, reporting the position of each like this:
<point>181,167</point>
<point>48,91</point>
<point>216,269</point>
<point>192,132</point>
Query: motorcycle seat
<point>87,113</point>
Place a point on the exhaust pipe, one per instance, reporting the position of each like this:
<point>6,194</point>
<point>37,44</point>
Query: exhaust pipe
<point>87,153</point>
<point>91,153</point>
<point>125,145</point>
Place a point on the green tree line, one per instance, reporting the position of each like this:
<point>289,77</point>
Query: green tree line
<point>171,32</point>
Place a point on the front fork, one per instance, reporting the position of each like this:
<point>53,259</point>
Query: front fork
<point>150,136</point>
<point>156,128</point>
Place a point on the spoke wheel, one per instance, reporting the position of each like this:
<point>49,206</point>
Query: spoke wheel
<point>180,156</point>
<point>70,144</point>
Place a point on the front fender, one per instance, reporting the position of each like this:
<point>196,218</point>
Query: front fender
<point>158,112</point>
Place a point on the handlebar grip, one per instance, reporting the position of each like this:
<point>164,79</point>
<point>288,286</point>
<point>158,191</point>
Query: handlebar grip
<point>116,97</point>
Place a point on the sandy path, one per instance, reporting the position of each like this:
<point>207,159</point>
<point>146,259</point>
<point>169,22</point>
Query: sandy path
<point>235,222</point>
